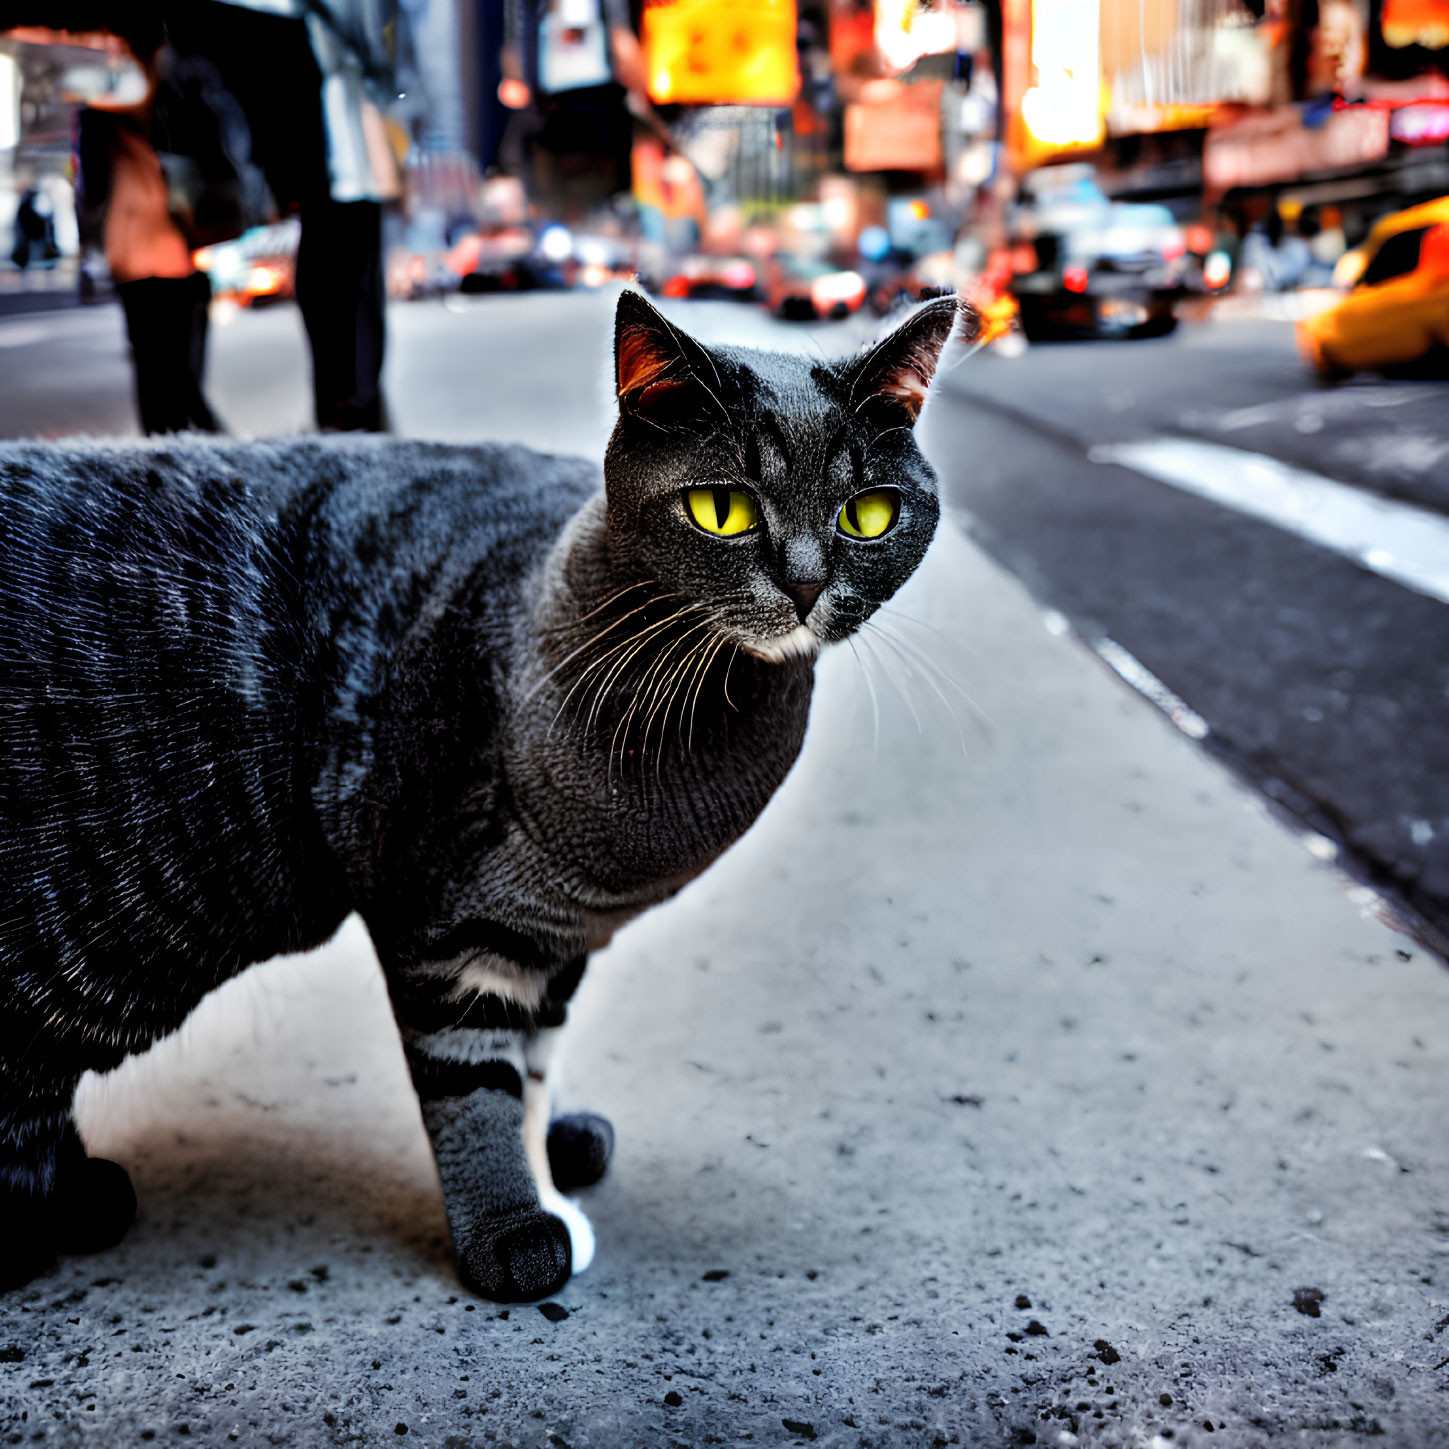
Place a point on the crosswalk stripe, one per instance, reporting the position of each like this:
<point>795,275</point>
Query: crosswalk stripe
<point>1406,544</point>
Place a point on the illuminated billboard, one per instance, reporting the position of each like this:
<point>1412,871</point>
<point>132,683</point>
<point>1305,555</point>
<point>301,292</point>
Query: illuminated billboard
<point>721,52</point>
<point>1416,22</point>
<point>897,127</point>
<point>1052,77</point>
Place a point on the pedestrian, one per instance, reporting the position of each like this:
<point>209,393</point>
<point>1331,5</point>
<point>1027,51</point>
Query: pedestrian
<point>304,73</point>
<point>35,244</point>
<point>126,191</point>
<point>573,71</point>
<point>251,107</point>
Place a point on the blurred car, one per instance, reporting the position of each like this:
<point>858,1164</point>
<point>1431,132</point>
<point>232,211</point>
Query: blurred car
<point>933,275</point>
<point>731,278</point>
<point>506,259</point>
<point>1085,266</point>
<point>1397,313</point>
<point>803,289</point>
<point>601,258</point>
<point>259,266</point>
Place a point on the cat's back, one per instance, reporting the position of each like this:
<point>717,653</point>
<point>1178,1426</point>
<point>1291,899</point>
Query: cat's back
<point>102,545</point>
<point>180,621</point>
<point>205,543</point>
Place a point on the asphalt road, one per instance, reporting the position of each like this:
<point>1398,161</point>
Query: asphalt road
<point>1323,682</point>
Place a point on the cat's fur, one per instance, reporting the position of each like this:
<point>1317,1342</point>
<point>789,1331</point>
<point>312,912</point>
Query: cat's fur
<point>471,694</point>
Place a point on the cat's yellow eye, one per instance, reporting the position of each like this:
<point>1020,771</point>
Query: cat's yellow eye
<point>722,510</point>
<point>871,514</point>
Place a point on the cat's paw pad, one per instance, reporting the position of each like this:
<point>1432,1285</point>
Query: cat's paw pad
<point>95,1204</point>
<point>580,1145</point>
<point>517,1258</point>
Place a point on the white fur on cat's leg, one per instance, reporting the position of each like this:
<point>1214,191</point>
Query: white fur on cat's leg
<point>537,1113</point>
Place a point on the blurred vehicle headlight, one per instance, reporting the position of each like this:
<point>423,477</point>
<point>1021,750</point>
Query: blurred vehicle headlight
<point>1216,269</point>
<point>1348,269</point>
<point>555,243</point>
<point>837,287</point>
<point>263,281</point>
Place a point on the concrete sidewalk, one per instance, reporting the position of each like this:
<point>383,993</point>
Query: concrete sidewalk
<point>1017,1080</point>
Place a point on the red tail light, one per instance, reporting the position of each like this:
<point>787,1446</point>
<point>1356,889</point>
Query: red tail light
<point>1074,279</point>
<point>1434,251</point>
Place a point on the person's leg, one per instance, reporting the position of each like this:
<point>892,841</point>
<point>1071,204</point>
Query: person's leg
<point>164,297</point>
<point>341,293</point>
<point>166,321</point>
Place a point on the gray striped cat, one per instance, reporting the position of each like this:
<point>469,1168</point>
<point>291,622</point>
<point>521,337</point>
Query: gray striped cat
<point>494,702</point>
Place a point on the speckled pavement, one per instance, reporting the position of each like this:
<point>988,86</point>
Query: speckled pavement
<point>1016,1081</point>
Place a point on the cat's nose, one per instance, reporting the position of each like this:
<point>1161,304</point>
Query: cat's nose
<point>804,595</point>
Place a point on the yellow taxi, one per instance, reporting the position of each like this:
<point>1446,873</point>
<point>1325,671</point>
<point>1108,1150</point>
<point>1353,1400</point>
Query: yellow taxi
<point>1398,309</point>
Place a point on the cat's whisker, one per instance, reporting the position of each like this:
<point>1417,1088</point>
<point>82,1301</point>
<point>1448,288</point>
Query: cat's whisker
<point>932,669</point>
<point>613,674</point>
<point>644,694</point>
<point>599,663</point>
<point>728,667</point>
<point>701,674</point>
<point>904,428</point>
<point>705,654</point>
<point>599,608</point>
<point>589,643</point>
<point>647,697</point>
<point>678,681</point>
<point>616,674</point>
<point>613,652</point>
<point>671,683</point>
<point>922,667</point>
<point>659,697</point>
<point>870,643</point>
<point>701,653</point>
<point>897,616</point>
<point>874,702</point>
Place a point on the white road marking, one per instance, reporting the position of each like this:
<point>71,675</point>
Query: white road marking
<point>1406,544</point>
<point>1147,684</point>
<point>1321,405</point>
<point>23,334</point>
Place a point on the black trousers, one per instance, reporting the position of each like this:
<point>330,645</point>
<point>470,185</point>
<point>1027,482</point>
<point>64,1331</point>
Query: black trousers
<point>341,294</point>
<point>266,62</point>
<point>166,319</point>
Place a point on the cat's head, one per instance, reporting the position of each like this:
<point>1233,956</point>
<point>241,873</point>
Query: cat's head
<point>784,494</point>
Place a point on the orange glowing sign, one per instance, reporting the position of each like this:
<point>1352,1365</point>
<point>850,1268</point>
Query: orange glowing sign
<point>897,129</point>
<point>1416,22</point>
<point>721,52</point>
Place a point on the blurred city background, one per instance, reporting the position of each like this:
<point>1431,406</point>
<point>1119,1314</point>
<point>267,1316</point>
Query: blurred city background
<point>1106,166</point>
<point>1209,239</point>
<point>1010,980</point>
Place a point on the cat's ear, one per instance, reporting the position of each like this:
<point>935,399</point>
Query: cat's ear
<point>896,373</point>
<point>661,374</point>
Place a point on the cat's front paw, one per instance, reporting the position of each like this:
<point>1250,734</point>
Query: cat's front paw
<point>516,1257</point>
<point>580,1145</point>
<point>89,1207</point>
<point>95,1204</point>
